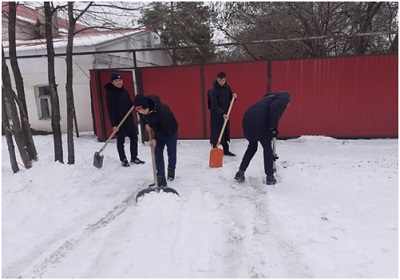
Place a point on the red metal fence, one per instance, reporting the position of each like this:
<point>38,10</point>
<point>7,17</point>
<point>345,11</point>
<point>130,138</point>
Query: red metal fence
<point>338,97</point>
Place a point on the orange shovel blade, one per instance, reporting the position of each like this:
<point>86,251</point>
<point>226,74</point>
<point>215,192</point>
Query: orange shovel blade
<point>216,157</point>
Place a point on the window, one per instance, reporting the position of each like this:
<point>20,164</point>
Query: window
<point>43,100</point>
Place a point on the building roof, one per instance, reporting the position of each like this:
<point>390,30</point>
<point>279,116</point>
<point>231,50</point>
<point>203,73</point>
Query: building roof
<point>86,38</point>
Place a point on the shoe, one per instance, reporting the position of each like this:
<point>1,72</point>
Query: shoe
<point>125,163</point>
<point>228,153</point>
<point>162,183</point>
<point>137,161</point>
<point>271,180</point>
<point>171,174</point>
<point>239,176</point>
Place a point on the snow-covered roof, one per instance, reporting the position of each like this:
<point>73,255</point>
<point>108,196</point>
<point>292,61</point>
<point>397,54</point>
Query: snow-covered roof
<point>88,38</point>
<point>80,40</point>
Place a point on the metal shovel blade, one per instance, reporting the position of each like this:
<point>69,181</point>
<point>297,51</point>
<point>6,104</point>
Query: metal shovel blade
<point>98,160</point>
<point>216,157</point>
<point>157,189</point>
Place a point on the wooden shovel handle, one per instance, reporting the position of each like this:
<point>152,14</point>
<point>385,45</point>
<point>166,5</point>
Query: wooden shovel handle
<point>119,125</point>
<point>153,161</point>
<point>225,121</point>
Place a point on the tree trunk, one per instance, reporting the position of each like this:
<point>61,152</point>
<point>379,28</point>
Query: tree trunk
<point>10,98</point>
<point>19,83</point>
<point>68,85</point>
<point>55,105</point>
<point>7,131</point>
<point>362,42</point>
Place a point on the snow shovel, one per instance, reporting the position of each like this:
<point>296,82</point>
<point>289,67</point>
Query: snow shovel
<point>274,155</point>
<point>98,158</point>
<point>216,154</point>
<point>155,187</point>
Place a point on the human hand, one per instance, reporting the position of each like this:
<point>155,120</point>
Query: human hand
<point>115,129</point>
<point>153,143</point>
<point>148,128</point>
<point>234,96</point>
<point>226,117</point>
<point>274,132</point>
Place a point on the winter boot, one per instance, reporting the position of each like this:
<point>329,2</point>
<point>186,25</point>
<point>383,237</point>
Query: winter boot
<point>239,176</point>
<point>125,163</point>
<point>271,180</point>
<point>229,153</point>
<point>171,174</point>
<point>162,183</point>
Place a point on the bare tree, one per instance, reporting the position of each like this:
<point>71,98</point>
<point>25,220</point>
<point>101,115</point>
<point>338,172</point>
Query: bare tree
<point>8,133</point>
<point>69,84</point>
<point>326,28</point>
<point>19,83</point>
<point>55,104</point>
<point>10,99</point>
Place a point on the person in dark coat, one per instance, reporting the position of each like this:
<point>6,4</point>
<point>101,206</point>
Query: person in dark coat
<point>219,98</point>
<point>118,104</point>
<point>260,124</point>
<point>158,117</point>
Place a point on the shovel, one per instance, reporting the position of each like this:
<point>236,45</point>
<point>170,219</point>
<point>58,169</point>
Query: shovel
<point>98,158</point>
<point>155,187</point>
<point>274,155</point>
<point>216,154</point>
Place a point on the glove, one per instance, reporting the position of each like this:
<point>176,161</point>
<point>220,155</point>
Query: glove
<point>274,132</point>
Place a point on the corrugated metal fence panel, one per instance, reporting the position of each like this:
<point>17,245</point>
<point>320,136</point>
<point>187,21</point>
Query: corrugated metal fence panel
<point>339,97</point>
<point>178,87</point>
<point>247,79</point>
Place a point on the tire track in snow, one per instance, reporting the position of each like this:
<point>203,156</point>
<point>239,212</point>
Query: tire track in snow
<point>268,229</point>
<point>39,266</point>
<point>261,235</point>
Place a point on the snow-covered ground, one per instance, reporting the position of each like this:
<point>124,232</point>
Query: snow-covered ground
<point>333,213</point>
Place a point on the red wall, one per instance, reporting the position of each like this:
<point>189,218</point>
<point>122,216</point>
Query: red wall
<point>179,88</point>
<point>184,90</point>
<point>337,97</point>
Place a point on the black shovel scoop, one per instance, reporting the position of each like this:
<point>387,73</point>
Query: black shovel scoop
<point>155,187</point>
<point>98,157</point>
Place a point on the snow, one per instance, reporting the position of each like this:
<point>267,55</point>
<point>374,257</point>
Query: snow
<point>333,213</point>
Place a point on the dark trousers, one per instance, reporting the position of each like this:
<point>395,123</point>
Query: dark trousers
<point>251,151</point>
<point>170,141</point>
<point>133,145</point>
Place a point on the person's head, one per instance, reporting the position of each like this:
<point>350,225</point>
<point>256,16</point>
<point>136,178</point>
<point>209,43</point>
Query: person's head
<point>221,78</point>
<point>142,104</point>
<point>116,80</point>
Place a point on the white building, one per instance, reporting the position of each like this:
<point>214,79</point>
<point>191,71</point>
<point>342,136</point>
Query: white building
<point>32,45</point>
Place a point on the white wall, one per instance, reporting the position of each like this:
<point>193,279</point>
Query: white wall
<point>34,73</point>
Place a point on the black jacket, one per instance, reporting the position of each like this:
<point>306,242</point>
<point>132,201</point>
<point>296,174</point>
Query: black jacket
<point>118,104</point>
<point>264,115</point>
<point>160,118</point>
<point>219,100</point>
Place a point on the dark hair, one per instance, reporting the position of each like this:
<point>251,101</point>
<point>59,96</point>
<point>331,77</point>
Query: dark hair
<point>221,75</point>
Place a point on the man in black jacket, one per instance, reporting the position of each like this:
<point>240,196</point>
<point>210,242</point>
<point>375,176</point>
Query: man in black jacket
<point>260,124</point>
<point>220,96</point>
<point>158,117</point>
<point>118,104</point>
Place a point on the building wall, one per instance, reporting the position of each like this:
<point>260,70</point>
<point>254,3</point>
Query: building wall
<point>338,97</point>
<point>34,73</point>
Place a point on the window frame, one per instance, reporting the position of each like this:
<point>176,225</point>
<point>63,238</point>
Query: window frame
<point>45,97</point>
